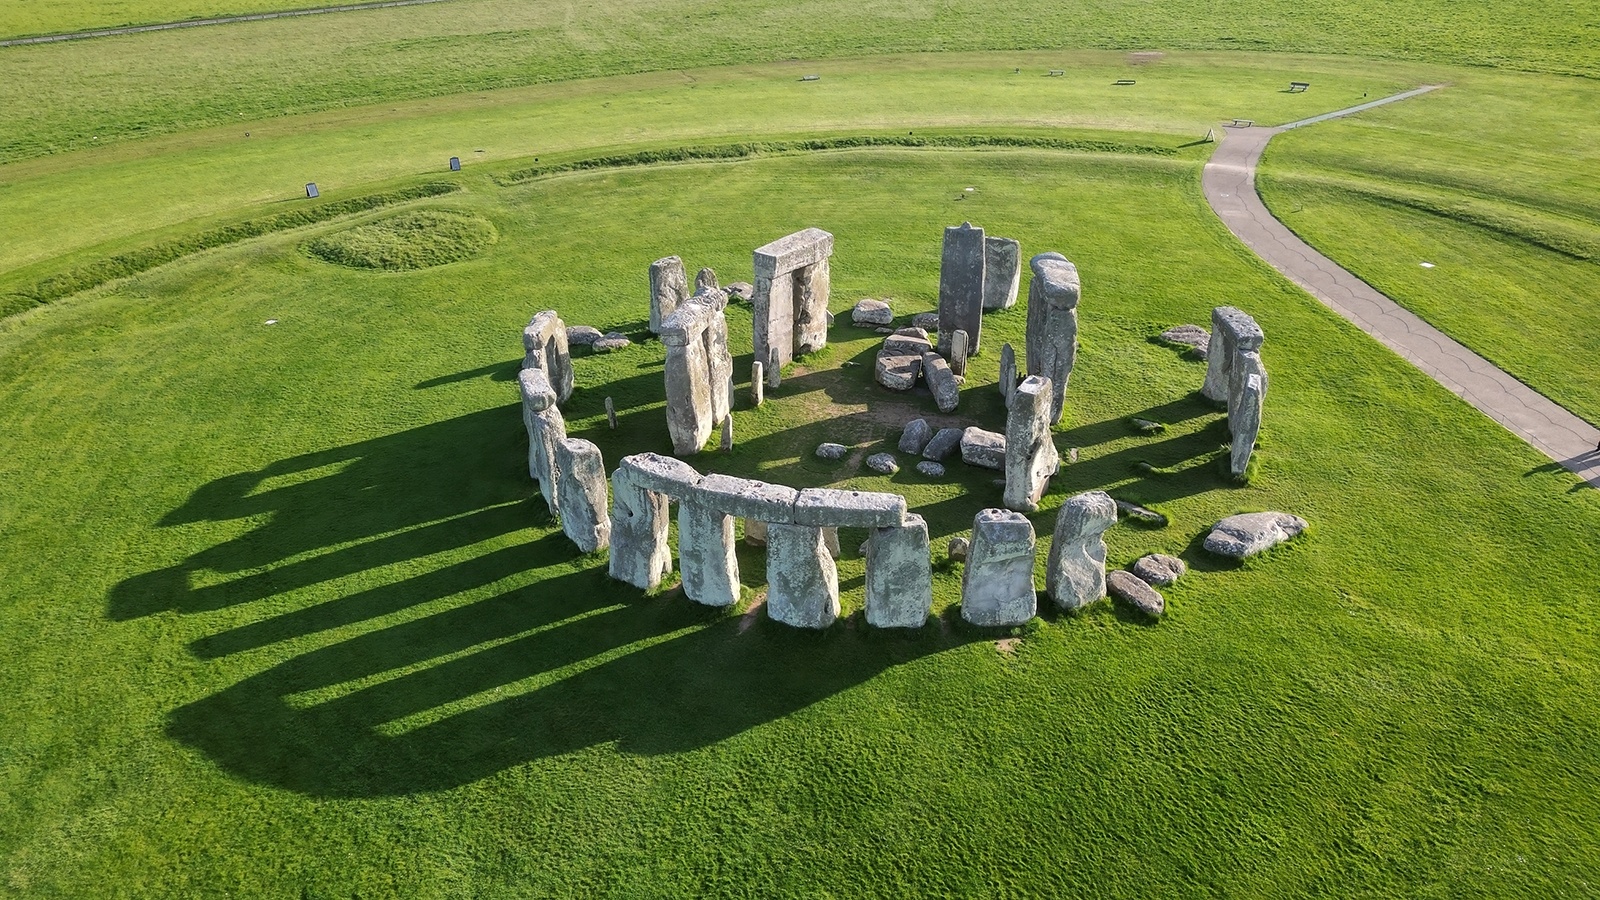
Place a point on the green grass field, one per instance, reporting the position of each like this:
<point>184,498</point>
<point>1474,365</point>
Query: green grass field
<point>283,614</point>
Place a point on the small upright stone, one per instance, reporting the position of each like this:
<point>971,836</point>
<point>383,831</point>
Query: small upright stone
<point>883,463</point>
<point>1075,573</point>
<point>958,353</point>
<point>758,393</point>
<point>669,286</point>
<point>997,585</point>
<point>915,437</point>
<point>727,434</point>
<point>611,413</point>
<point>1134,594</point>
<point>1008,373</point>
<point>957,549</point>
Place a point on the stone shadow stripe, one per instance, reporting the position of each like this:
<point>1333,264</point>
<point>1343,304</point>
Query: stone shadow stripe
<point>196,23</point>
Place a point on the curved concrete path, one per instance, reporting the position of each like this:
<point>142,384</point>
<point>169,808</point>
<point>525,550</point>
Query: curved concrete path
<point>1229,182</point>
<point>219,20</point>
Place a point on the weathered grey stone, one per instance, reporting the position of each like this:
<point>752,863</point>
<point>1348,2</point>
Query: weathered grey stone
<point>983,448</point>
<point>958,353</point>
<point>669,286</point>
<point>1052,345</point>
<point>831,451</point>
<point>909,341</point>
<point>941,381</point>
<point>828,507</point>
<point>944,442</point>
<point>1244,416</point>
<point>614,340</point>
<point>1141,514</point>
<point>899,575</point>
<point>931,469</point>
<point>744,290</point>
<point>928,321</point>
<point>690,414</point>
<point>830,542</point>
<point>1232,331</point>
<point>1197,339</point>
<point>1245,364</point>
<point>958,548</point>
<point>961,270</point>
<point>755,532</point>
<point>582,473</point>
<point>1134,594</point>
<point>662,474</point>
<point>719,357</point>
<point>706,558</point>
<point>871,312</point>
<point>884,329</point>
<point>883,463</point>
<point>1159,569</point>
<point>897,372</point>
<point>1030,450</point>
<point>915,436</point>
<point>771,503</point>
<point>802,582</point>
<point>1008,373</point>
<point>1075,571</point>
<point>1250,533</point>
<point>1002,272</point>
<point>758,393</point>
<point>611,413</point>
<point>546,428</point>
<point>639,552</point>
<point>705,278</point>
<point>997,585</point>
<point>727,434</point>
<point>582,334</point>
<point>791,299</point>
<point>544,344</point>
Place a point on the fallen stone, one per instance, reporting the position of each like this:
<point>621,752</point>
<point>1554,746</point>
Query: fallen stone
<point>957,549</point>
<point>1197,339</point>
<point>885,329</point>
<point>1141,514</point>
<point>883,463</point>
<point>941,381</point>
<point>1075,571</point>
<point>1146,426</point>
<point>871,312</point>
<point>1250,533</point>
<point>744,290</point>
<point>833,508</point>
<point>613,340</point>
<point>897,372</point>
<point>584,335</point>
<point>1135,594</point>
<point>1159,569</point>
<point>916,435</point>
<point>983,448</point>
<point>909,340</point>
<point>899,575</point>
<point>928,321</point>
<point>997,583</point>
<point>943,443</point>
<point>831,451</point>
<point>931,469</point>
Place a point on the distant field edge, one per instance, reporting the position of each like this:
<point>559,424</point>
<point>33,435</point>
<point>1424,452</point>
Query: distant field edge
<point>136,28</point>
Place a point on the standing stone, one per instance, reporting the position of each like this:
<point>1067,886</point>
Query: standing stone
<point>1002,272</point>
<point>639,552</point>
<point>1244,417</point>
<point>916,435</point>
<point>1031,456</point>
<point>1052,346</point>
<point>689,400</point>
<point>802,581</point>
<point>997,584</point>
<point>758,393</point>
<point>961,267</point>
<point>755,532</point>
<point>899,575</point>
<point>941,381</point>
<point>705,279</point>
<point>706,557</point>
<point>611,413</point>
<point>669,286</point>
<point>830,542</point>
<point>958,353</point>
<point>582,472</point>
<point>1232,331</point>
<point>544,344</point>
<point>1075,571</point>
<point>727,434</point>
<point>1008,373</point>
<point>546,428</point>
<point>719,357</point>
<point>1245,364</point>
<point>791,299</point>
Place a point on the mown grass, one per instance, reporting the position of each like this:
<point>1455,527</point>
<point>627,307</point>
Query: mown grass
<point>293,621</point>
<point>406,241</point>
<point>36,17</point>
<point>58,96</point>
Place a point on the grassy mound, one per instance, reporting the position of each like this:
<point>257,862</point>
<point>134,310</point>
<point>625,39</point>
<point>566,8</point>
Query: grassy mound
<point>413,240</point>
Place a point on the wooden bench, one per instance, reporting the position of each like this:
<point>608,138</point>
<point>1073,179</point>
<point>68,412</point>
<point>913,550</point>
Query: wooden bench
<point>1296,87</point>
<point>811,78</point>
<point>1123,81</point>
<point>1243,123</point>
<point>1054,73</point>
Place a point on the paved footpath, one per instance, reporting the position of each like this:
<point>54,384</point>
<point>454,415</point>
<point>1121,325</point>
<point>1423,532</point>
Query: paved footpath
<point>1230,187</point>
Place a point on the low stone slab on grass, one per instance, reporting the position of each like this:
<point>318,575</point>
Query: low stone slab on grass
<point>1129,591</point>
<point>1247,534</point>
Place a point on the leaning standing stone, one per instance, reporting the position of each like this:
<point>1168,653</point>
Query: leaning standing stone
<point>1052,347</point>
<point>583,494</point>
<point>899,575</point>
<point>997,584</point>
<point>669,286</point>
<point>802,582</point>
<point>1075,572</point>
<point>1030,450</point>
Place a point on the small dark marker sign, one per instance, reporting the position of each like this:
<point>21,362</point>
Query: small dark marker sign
<point>311,190</point>
<point>455,163</point>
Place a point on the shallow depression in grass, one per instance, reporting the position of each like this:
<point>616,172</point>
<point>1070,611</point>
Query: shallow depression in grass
<point>412,240</point>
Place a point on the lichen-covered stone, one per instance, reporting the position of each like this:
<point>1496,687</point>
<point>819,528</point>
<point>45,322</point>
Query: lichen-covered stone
<point>1197,339</point>
<point>830,507</point>
<point>831,451</point>
<point>1250,533</point>
<point>983,448</point>
<point>1052,338</point>
<point>928,321</point>
<point>662,474</point>
<point>957,549</point>
<point>1030,450</point>
<point>1244,415</point>
<point>961,269</point>
<point>931,469</point>
<point>872,313</point>
<point>1075,571</point>
<point>584,335</point>
<point>1232,331</point>
<point>883,463</point>
<point>705,279</point>
<point>544,344</point>
<point>997,584</point>
<point>1159,569</point>
<point>748,499</point>
<point>897,372</point>
<point>669,286</point>
<point>1002,272</point>
<point>639,552</point>
<point>899,575</point>
<point>546,428</point>
<point>943,443</point>
<point>915,436</point>
<point>941,381</point>
<point>1134,594</point>
<point>706,558</point>
<point>802,582</point>
<point>581,471</point>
